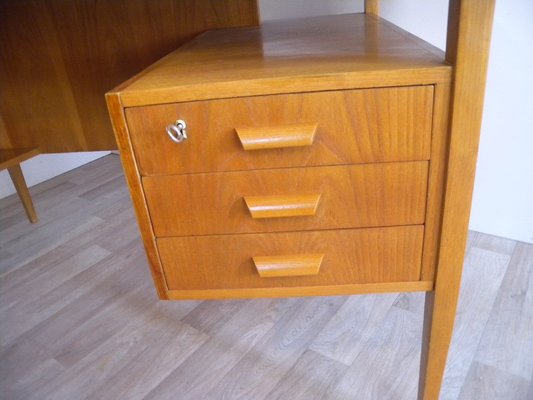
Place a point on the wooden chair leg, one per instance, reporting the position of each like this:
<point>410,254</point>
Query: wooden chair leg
<point>22,190</point>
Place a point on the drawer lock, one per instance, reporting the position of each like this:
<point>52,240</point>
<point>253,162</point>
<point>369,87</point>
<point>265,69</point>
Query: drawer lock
<point>177,131</point>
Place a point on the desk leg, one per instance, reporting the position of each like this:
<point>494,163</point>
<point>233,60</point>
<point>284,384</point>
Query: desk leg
<point>469,30</point>
<point>439,318</point>
<point>22,190</point>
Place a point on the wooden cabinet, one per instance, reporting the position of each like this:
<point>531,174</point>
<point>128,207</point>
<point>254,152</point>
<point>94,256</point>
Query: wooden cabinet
<point>316,129</point>
<point>309,157</point>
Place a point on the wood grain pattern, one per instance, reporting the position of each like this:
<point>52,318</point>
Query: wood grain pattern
<point>436,181</point>
<point>372,7</point>
<point>288,265</point>
<point>282,206</point>
<point>120,351</point>
<point>469,30</point>
<point>136,192</point>
<point>356,126</point>
<point>258,371</point>
<point>350,257</point>
<point>5,142</point>
<point>167,349</point>
<point>301,65</point>
<point>276,137</point>
<point>325,53</point>
<point>220,352</point>
<point>477,306</point>
<point>354,196</point>
<point>301,291</point>
<point>60,57</point>
<point>22,190</point>
<point>344,337</point>
<point>309,378</point>
<point>507,342</point>
<point>9,157</point>
<point>53,291</point>
<point>390,352</point>
<point>486,382</point>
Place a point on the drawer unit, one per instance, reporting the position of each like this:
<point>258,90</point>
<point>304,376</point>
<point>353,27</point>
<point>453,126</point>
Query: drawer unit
<point>292,130</point>
<point>291,199</point>
<point>322,156</point>
<point>342,257</point>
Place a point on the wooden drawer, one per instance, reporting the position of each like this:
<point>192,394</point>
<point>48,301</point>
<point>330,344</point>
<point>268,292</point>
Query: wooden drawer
<point>348,257</point>
<point>366,195</point>
<point>324,128</point>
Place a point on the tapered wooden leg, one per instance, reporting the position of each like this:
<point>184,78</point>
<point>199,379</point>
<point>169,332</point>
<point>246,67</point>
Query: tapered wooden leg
<point>22,190</point>
<point>469,29</point>
<point>439,318</point>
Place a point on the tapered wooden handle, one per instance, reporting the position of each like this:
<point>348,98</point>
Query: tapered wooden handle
<point>288,265</point>
<point>282,206</point>
<point>275,137</point>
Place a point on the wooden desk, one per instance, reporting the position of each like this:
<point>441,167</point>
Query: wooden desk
<point>322,156</point>
<point>60,57</point>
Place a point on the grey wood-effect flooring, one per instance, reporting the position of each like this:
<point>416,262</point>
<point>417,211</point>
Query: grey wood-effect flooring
<point>79,319</point>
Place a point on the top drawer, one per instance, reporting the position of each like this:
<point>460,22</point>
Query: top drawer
<point>302,129</point>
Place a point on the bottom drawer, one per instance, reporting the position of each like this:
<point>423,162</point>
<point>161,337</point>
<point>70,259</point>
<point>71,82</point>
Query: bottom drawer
<point>348,256</point>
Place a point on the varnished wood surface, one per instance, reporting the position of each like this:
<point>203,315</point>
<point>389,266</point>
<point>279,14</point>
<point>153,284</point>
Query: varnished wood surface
<point>436,181</point>
<point>301,291</point>
<point>365,195</point>
<point>136,190</point>
<point>11,160</point>
<point>15,172</point>
<point>10,157</point>
<point>276,137</point>
<point>469,32</point>
<point>301,55</point>
<point>356,126</point>
<point>278,69</point>
<point>60,57</point>
<point>350,257</point>
<point>288,265</point>
<point>80,318</point>
<point>372,7</point>
<point>282,206</point>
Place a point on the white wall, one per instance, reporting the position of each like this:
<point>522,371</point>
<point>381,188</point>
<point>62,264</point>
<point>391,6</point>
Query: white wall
<point>503,195</point>
<point>45,166</point>
<point>503,192</point>
<point>283,9</point>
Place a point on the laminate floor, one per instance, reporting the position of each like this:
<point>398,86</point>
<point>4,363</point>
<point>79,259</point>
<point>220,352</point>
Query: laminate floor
<point>79,319</point>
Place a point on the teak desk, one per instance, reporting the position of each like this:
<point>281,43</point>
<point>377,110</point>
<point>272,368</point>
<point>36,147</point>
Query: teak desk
<point>320,156</point>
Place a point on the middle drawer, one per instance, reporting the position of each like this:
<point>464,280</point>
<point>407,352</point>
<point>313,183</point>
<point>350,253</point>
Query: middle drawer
<point>352,196</point>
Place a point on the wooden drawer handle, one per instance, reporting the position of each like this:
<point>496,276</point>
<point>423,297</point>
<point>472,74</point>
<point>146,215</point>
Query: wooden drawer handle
<point>282,206</point>
<point>289,265</point>
<point>276,137</point>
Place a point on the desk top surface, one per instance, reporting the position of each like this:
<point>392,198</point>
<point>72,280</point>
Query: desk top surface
<point>320,53</point>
